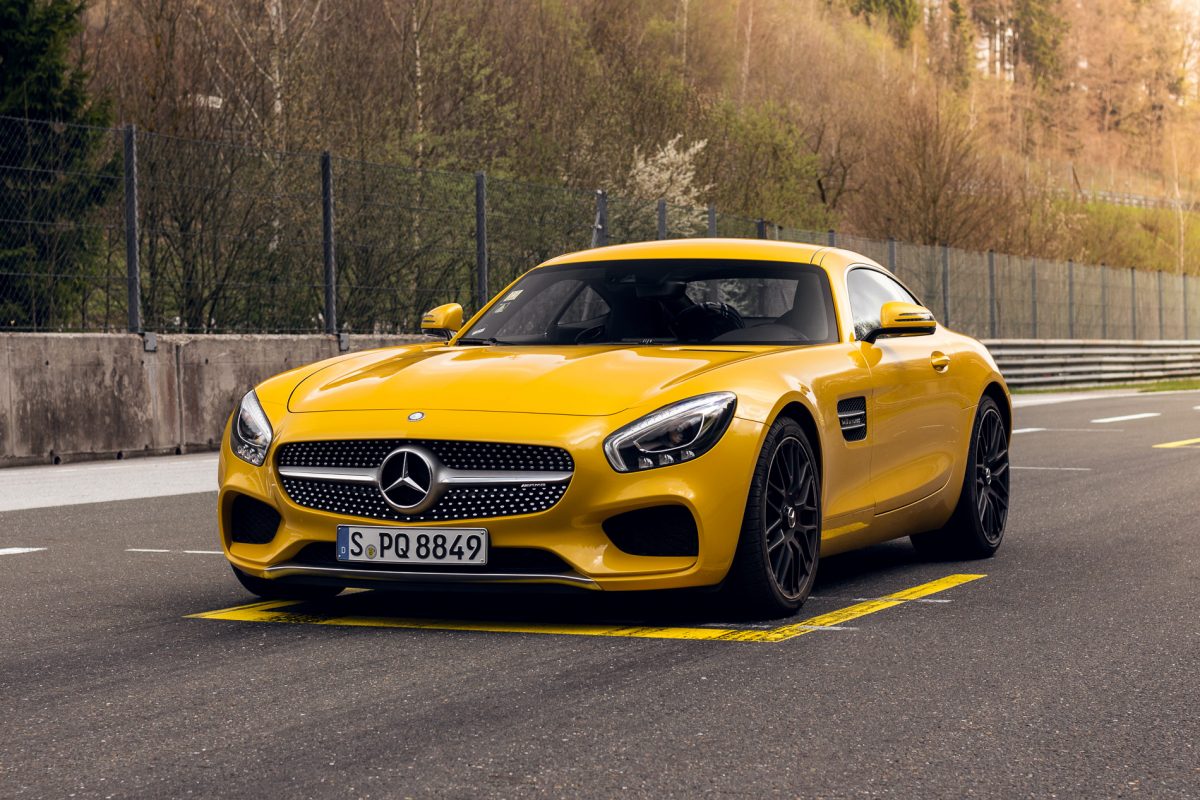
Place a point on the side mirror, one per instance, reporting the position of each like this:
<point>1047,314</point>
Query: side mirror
<point>902,319</point>
<point>443,321</point>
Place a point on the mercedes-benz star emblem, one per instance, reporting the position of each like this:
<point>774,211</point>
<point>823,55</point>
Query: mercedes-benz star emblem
<point>406,479</point>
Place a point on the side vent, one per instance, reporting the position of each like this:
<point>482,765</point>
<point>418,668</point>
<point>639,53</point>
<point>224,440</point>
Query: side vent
<point>852,413</point>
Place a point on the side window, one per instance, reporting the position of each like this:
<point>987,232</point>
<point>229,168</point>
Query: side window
<point>869,290</point>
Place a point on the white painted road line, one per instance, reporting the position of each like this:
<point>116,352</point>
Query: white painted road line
<point>768,626</point>
<point>16,551</point>
<point>845,599</point>
<point>1060,469</point>
<point>1126,418</point>
<point>158,550</point>
<point>1027,430</point>
<point>104,482</point>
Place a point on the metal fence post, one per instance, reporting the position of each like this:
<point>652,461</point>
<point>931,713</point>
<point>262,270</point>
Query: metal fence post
<point>712,221</point>
<point>662,219</point>
<point>832,238</point>
<point>1033,295</point>
<point>1162,326</point>
<point>481,249</point>
<point>891,251</point>
<point>1103,301</point>
<point>991,264</point>
<point>760,228</point>
<point>132,264</point>
<point>600,229</point>
<point>1133,302</point>
<point>1185,308</point>
<point>327,241</point>
<point>1070,299</point>
<point>946,285</point>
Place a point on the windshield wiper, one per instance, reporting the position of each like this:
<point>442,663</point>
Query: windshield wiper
<point>488,340</point>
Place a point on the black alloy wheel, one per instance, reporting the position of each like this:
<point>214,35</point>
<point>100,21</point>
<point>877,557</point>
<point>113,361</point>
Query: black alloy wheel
<point>991,475</point>
<point>790,510</point>
<point>775,565</point>
<point>976,527</point>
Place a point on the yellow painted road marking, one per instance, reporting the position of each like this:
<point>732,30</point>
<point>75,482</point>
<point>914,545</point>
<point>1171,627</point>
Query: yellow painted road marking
<point>857,610</point>
<point>276,611</point>
<point>1184,443</point>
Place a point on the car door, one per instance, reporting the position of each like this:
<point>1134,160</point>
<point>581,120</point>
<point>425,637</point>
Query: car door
<point>914,412</point>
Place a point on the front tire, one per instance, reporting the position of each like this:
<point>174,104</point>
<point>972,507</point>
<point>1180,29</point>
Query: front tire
<point>976,528</point>
<point>277,590</point>
<point>775,564</point>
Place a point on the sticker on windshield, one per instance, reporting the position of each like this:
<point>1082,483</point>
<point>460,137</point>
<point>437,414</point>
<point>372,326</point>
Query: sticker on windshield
<point>513,295</point>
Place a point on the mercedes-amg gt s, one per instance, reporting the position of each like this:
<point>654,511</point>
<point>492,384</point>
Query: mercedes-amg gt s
<point>696,413</point>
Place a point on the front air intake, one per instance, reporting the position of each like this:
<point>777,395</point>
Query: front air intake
<point>252,521</point>
<point>658,531</point>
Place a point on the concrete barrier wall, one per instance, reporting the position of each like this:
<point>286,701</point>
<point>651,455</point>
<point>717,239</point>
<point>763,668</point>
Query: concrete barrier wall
<point>73,397</point>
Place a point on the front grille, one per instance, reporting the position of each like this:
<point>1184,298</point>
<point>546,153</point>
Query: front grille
<point>459,502</point>
<point>456,455</point>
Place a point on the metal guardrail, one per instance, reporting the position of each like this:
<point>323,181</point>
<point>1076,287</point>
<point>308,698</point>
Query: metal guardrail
<point>1053,363</point>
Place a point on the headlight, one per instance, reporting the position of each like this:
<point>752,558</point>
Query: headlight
<point>251,434</point>
<point>678,432</point>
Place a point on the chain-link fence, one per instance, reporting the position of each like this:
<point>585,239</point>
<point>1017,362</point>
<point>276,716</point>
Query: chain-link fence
<point>115,229</point>
<point>62,262</point>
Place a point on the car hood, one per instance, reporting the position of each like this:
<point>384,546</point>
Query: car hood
<point>576,380</point>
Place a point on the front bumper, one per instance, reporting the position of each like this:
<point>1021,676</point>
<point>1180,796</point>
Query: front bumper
<point>713,488</point>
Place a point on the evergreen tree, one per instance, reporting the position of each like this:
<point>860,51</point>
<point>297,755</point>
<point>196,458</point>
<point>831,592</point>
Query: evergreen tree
<point>901,15</point>
<point>50,178</point>
<point>1040,29</point>
<point>961,43</point>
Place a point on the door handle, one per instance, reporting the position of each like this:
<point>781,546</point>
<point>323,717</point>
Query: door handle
<point>939,361</point>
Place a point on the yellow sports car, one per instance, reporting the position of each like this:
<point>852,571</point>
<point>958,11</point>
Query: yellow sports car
<point>697,413</point>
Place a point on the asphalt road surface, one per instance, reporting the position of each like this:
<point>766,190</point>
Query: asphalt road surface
<point>1071,669</point>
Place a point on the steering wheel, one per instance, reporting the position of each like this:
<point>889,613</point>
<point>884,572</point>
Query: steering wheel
<point>706,321</point>
<point>592,334</point>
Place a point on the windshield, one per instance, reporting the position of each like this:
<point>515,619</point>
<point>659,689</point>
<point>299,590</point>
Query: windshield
<point>663,301</point>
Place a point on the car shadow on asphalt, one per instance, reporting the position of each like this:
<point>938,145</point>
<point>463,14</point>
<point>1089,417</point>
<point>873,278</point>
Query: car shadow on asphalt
<point>869,572</point>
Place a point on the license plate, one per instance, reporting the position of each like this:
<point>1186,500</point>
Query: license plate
<point>412,545</point>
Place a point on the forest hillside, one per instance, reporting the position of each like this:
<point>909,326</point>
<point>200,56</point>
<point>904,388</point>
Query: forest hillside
<point>1052,128</point>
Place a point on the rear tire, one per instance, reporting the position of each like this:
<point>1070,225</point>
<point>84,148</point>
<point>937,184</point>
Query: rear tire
<point>277,590</point>
<point>775,564</point>
<point>976,528</point>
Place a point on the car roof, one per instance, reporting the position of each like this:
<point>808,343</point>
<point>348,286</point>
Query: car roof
<point>830,258</point>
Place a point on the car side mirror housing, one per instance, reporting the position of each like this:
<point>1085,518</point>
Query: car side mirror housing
<point>443,321</point>
<point>902,319</point>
